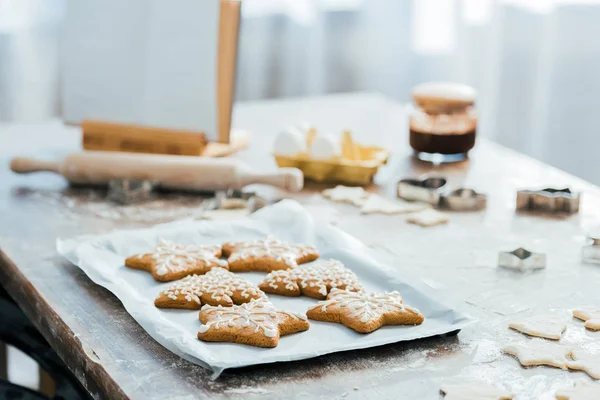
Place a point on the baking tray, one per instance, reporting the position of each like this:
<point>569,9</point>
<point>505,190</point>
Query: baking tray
<point>101,258</point>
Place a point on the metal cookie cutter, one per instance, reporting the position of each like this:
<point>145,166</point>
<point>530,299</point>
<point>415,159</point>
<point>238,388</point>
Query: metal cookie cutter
<point>522,260</point>
<point>426,190</point>
<point>549,200</point>
<point>125,191</point>
<point>464,200</point>
<point>591,253</point>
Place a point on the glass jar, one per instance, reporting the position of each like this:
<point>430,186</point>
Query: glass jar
<point>443,121</point>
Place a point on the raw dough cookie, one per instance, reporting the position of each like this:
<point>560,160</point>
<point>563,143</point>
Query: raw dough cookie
<point>589,363</point>
<point>474,391</point>
<point>225,214</point>
<point>217,287</point>
<point>540,352</point>
<point>582,391</point>
<point>345,194</point>
<point>256,323</point>
<point>170,261</point>
<point>428,217</point>
<point>545,326</point>
<point>314,280</point>
<point>591,318</point>
<point>364,312</point>
<point>267,255</point>
<point>379,204</point>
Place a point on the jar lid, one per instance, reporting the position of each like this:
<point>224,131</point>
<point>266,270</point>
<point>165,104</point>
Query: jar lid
<point>440,97</point>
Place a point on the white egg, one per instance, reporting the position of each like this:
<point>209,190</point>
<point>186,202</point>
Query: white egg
<point>324,147</point>
<point>289,142</point>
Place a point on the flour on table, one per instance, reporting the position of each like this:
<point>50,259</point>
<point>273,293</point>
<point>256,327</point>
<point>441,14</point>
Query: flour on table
<point>591,318</point>
<point>428,217</point>
<point>345,194</point>
<point>379,204</point>
<point>225,214</point>
<point>474,391</point>
<point>545,326</point>
<point>582,391</point>
<point>589,363</point>
<point>540,352</point>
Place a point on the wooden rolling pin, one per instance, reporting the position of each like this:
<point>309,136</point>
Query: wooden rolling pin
<point>172,172</point>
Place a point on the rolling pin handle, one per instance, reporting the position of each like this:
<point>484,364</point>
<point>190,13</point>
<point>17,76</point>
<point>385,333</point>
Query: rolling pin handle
<point>290,179</point>
<point>24,165</point>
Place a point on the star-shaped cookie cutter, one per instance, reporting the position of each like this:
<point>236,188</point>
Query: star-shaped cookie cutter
<point>127,191</point>
<point>591,252</point>
<point>549,200</point>
<point>236,199</point>
<point>521,259</point>
<point>463,199</point>
<point>428,190</point>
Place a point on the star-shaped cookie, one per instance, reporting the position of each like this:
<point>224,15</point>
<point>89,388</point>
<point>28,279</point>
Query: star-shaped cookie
<point>382,205</point>
<point>587,362</point>
<point>346,194</point>
<point>545,326</point>
<point>314,280</point>
<point>364,312</point>
<point>217,287</point>
<point>591,318</point>
<point>540,352</point>
<point>169,261</point>
<point>474,391</point>
<point>582,391</point>
<point>267,255</point>
<point>256,323</point>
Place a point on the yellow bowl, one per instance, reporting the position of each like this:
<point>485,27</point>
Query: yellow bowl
<point>355,172</point>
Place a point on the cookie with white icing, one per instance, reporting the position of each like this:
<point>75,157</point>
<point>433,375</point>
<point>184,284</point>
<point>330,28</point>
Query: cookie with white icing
<point>590,317</point>
<point>217,287</point>
<point>364,312</point>
<point>256,323</point>
<point>266,255</point>
<point>314,280</point>
<point>170,261</point>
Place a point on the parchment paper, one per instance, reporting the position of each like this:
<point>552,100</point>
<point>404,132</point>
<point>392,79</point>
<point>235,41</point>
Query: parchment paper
<point>101,258</point>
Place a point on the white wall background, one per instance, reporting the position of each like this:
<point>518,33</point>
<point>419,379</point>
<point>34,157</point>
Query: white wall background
<point>536,63</point>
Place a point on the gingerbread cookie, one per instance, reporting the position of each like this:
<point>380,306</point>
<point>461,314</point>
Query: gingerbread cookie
<point>170,261</point>
<point>364,312</point>
<point>314,280</point>
<point>256,323</point>
<point>217,287</point>
<point>267,255</point>
<point>378,204</point>
<point>428,217</point>
<point>590,317</point>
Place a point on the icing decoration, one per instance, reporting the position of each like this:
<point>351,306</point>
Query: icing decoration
<point>365,306</point>
<point>259,315</point>
<point>323,275</point>
<point>171,257</point>
<point>269,247</point>
<point>218,282</point>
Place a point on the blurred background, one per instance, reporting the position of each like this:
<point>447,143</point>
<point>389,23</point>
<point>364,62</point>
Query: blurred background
<point>534,62</point>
